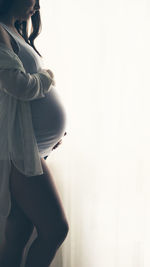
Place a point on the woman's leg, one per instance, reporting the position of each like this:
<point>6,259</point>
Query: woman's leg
<point>37,197</point>
<point>18,229</point>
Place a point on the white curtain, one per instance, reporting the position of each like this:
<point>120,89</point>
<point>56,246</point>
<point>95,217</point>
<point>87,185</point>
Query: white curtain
<point>99,52</point>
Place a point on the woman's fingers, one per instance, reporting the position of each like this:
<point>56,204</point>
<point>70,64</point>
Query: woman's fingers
<point>55,146</point>
<point>53,82</point>
<point>51,73</point>
<point>59,142</point>
<point>52,76</point>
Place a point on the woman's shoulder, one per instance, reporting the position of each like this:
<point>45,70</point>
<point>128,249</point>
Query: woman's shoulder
<point>5,39</point>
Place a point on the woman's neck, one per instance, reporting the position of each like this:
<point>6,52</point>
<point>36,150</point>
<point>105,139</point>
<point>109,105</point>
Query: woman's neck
<point>8,20</point>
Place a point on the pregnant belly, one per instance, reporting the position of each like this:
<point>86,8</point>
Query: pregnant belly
<point>49,118</point>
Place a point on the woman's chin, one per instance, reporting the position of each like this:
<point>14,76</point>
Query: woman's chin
<point>21,19</point>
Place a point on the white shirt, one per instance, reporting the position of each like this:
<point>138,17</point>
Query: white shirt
<point>17,139</point>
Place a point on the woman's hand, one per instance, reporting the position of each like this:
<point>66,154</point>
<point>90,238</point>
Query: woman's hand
<point>51,76</point>
<point>59,142</point>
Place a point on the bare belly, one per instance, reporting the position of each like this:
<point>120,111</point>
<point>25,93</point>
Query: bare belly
<point>49,121</point>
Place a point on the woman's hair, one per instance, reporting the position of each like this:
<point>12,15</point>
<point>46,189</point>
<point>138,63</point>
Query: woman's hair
<point>22,27</point>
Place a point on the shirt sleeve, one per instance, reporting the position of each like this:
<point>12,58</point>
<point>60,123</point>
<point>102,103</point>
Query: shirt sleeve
<point>25,86</point>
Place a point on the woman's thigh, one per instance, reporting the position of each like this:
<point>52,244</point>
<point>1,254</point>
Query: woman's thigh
<point>38,198</point>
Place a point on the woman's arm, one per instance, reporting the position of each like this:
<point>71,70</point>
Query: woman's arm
<point>13,78</point>
<point>25,86</point>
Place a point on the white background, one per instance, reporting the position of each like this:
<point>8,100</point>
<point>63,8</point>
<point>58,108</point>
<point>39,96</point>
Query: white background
<point>99,52</point>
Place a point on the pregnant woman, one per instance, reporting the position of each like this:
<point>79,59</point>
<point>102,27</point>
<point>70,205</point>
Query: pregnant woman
<point>32,122</point>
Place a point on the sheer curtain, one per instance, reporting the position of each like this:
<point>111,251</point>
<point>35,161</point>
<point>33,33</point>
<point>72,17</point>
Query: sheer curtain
<point>99,52</point>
